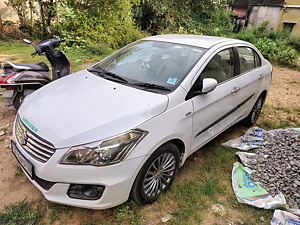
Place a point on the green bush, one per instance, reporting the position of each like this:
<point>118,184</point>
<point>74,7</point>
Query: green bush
<point>186,17</point>
<point>11,31</point>
<point>87,31</point>
<point>295,42</point>
<point>277,51</point>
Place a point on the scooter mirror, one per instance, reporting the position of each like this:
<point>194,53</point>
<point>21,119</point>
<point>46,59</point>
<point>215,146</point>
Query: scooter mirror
<point>27,41</point>
<point>49,29</point>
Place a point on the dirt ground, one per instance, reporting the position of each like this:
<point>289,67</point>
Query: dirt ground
<point>15,187</point>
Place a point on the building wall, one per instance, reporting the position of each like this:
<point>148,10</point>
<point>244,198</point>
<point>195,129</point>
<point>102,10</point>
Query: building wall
<point>257,2</point>
<point>292,2</point>
<point>290,14</point>
<point>7,13</point>
<point>240,11</point>
<point>260,13</point>
<point>267,2</point>
<point>282,14</point>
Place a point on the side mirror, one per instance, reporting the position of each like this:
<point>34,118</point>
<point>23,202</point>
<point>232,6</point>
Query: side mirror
<point>208,85</point>
<point>27,41</point>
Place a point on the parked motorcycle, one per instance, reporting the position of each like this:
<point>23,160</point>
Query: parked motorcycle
<point>21,79</point>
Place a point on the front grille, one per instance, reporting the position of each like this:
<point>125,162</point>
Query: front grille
<point>34,145</point>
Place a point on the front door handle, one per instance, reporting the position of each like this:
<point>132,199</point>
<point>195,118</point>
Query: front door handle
<point>235,89</point>
<point>260,76</point>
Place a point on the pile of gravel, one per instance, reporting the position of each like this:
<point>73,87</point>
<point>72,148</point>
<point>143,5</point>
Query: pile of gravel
<point>278,165</point>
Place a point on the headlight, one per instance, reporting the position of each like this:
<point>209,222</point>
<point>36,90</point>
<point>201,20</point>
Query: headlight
<point>109,151</point>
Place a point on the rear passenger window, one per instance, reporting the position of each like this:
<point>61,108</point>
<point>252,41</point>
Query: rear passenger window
<point>249,59</point>
<point>257,60</point>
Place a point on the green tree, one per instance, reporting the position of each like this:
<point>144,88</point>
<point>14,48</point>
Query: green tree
<point>100,25</point>
<point>20,6</point>
<point>47,11</point>
<point>96,24</point>
<point>27,11</point>
<point>210,17</point>
<point>190,16</point>
<point>157,15</point>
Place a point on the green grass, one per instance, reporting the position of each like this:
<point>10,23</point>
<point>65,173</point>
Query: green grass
<point>294,82</point>
<point>20,213</point>
<point>18,171</point>
<point>1,89</point>
<point>58,212</point>
<point>284,109</point>
<point>282,117</point>
<point>126,212</point>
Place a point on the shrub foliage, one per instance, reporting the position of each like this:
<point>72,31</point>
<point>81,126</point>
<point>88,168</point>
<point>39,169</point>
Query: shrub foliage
<point>275,45</point>
<point>101,26</point>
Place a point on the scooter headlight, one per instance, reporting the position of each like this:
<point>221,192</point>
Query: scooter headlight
<point>108,152</point>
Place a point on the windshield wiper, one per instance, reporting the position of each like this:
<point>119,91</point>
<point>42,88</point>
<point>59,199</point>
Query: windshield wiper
<point>108,75</point>
<point>152,86</point>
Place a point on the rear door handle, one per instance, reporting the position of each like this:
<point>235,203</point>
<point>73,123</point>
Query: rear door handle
<point>235,89</point>
<point>260,76</point>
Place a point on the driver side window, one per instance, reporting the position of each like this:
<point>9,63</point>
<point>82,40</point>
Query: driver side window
<point>220,67</point>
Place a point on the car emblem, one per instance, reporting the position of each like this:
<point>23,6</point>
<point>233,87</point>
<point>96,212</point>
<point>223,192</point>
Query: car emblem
<point>24,138</point>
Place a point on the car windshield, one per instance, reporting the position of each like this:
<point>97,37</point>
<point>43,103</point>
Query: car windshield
<point>150,65</point>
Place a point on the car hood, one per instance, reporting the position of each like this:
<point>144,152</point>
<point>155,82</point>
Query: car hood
<point>83,108</point>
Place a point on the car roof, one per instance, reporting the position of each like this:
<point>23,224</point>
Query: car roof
<point>195,40</point>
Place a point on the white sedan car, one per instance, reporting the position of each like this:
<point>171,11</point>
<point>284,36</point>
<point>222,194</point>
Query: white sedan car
<point>122,128</point>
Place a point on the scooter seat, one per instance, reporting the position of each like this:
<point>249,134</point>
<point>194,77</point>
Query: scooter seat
<point>41,66</point>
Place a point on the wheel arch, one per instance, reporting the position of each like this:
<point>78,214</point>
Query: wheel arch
<point>264,93</point>
<point>254,113</point>
<point>137,193</point>
<point>180,145</point>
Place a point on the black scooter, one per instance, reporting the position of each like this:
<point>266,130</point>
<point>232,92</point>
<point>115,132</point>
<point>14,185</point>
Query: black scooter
<point>21,79</point>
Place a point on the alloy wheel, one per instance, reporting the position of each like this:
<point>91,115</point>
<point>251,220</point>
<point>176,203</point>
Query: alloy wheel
<point>159,175</point>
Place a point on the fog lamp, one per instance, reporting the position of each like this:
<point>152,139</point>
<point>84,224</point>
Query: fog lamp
<point>85,191</point>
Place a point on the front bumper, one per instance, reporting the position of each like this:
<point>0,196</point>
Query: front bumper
<point>54,179</point>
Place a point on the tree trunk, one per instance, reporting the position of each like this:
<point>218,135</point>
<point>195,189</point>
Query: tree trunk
<point>31,13</point>
<point>42,18</point>
<point>50,12</point>
<point>1,25</point>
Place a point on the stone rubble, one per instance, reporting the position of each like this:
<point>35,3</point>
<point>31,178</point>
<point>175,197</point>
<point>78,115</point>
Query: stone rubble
<point>277,166</point>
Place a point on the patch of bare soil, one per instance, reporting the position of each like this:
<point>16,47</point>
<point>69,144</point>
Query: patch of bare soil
<point>285,88</point>
<point>15,187</point>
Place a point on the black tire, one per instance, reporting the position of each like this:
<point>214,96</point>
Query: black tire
<point>18,100</point>
<point>156,175</point>
<point>251,119</point>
